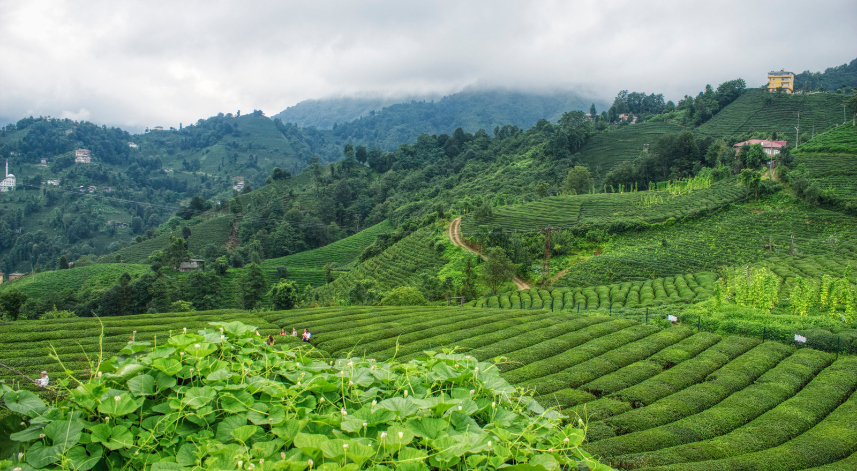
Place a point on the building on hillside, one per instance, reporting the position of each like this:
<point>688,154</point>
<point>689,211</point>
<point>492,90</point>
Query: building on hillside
<point>15,276</point>
<point>1,276</point>
<point>43,162</point>
<point>8,182</point>
<point>107,189</point>
<point>53,182</point>
<point>770,147</point>
<point>781,80</point>
<point>192,264</point>
<point>82,156</point>
<point>158,128</point>
<point>132,145</point>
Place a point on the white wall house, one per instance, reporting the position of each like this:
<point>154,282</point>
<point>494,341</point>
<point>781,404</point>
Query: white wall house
<point>8,182</point>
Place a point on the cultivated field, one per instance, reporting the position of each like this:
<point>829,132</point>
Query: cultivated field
<point>655,397</point>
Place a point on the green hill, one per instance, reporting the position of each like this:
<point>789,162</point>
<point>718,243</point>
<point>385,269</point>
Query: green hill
<point>607,150</point>
<point>653,394</point>
<point>839,140</point>
<point>760,111</point>
<point>78,279</point>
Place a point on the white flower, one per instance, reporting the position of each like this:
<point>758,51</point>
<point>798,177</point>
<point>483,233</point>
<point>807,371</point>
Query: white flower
<point>580,422</point>
<point>350,363</point>
<point>309,462</point>
<point>117,398</point>
<point>270,419</point>
<point>383,435</point>
<point>184,329</point>
<point>191,370</point>
<point>489,443</point>
<point>17,469</point>
<point>374,403</point>
<point>344,412</point>
<point>262,461</point>
<point>459,407</point>
<point>550,450</point>
<point>41,435</point>
<point>250,466</point>
<point>240,464</point>
<point>136,452</point>
<point>22,424</point>
<point>345,445</point>
<point>472,391</point>
<point>406,393</point>
<point>401,435</point>
<point>565,440</point>
<point>196,345</point>
<point>283,454</point>
<point>320,400</point>
<point>456,365</point>
<point>351,383</point>
<point>98,374</point>
<point>493,405</point>
<point>476,369</point>
<point>365,425</point>
<point>181,354</point>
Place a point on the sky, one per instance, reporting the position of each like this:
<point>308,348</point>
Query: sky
<point>137,64</point>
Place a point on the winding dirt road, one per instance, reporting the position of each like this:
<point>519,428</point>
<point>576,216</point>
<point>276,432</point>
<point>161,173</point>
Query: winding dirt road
<point>455,237</point>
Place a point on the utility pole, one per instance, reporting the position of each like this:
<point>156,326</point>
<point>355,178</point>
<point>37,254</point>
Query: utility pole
<point>546,264</point>
<point>792,245</point>
<point>797,131</point>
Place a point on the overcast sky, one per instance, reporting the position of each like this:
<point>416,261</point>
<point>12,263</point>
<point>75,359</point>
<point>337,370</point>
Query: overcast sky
<point>135,64</point>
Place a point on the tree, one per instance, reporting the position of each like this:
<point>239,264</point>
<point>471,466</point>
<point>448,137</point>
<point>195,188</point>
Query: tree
<point>361,155</point>
<point>592,111</point>
<point>497,269</point>
<point>11,301</point>
<point>284,295</point>
<point>252,286</point>
<point>579,180</point>
<point>754,156</point>
<point>175,253</point>
<point>751,179</point>
<point>404,296</point>
<point>468,284</point>
<point>62,263</point>
<point>185,233</point>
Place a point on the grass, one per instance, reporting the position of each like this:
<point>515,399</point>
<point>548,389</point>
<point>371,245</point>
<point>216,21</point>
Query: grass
<point>93,277</point>
<point>668,398</point>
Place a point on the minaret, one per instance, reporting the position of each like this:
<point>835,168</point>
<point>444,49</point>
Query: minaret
<point>7,169</point>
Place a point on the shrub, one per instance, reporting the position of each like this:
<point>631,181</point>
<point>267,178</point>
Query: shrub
<point>404,296</point>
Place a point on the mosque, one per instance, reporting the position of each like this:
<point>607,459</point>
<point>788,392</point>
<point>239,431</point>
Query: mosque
<point>8,183</point>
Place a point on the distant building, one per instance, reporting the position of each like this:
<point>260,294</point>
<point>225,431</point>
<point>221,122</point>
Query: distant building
<point>43,162</point>
<point>1,277</point>
<point>167,170</point>
<point>770,147</point>
<point>15,276</point>
<point>158,128</point>
<point>781,80</point>
<point>8,182</point>
<point>53,182</point>
<point>238,186</point>
<point>91,189</point>
<point>132,145</point>
<point>192,265</point>
<point>68,131</point>
<point>81,156</point>
<point>107,189</point>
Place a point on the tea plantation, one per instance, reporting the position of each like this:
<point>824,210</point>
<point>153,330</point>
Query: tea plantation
<point>604,152</point>
<point>656,396</point>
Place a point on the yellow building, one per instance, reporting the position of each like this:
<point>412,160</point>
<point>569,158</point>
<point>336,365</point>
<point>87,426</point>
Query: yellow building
<point>781,80</point>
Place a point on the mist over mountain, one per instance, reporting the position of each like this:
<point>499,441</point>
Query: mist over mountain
<point>470,109</point>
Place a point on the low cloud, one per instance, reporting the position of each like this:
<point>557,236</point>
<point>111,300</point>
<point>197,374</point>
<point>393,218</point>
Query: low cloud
<point>138,64</point>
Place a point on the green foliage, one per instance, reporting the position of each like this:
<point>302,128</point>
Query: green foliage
<point>578,181</point>
<point>284,295</point>
<point>839,140</point>
<point>438,410</point>
<point>55,314</point>
<point>404,296</point>
<point>11,301</point>
<point>253,286</point>
<point>497,269</point>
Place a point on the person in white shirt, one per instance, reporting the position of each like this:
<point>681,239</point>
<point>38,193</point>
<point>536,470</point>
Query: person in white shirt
<point>43,381</point>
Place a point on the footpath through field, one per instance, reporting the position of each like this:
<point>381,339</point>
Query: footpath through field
<point>457,239</point>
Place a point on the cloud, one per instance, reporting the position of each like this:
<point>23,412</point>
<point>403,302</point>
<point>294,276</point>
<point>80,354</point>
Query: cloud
<point>137,64</point>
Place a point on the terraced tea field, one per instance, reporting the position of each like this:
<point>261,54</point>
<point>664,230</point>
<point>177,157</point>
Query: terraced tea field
<point>400,264</point>
<point>606,151</point>
<point>95,277</point>
<point>740,235</point>
<point>656,398</point>
<point>760,111</point>
<point>685,289</point>
<point>213,231</point>
<point>308,267</point>
<point>836,173</point>
<point>839,140</point>
<point>609,210</point>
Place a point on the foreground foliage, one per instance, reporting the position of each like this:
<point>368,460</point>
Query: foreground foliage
<point>223,399</point>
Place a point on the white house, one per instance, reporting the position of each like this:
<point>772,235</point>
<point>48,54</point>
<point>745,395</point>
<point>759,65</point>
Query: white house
<point>81,156</point>
<point>8,182</point>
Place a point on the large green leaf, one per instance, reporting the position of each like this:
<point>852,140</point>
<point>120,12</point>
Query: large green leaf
<point>310,443</point>
<point>197,397</point>
<point>169,366</point>
<point>227,425</point>
<point>220,375</point>
<point>402,407</point>
<point>30,433</point>
<point>243,433</point>
<point>113,438</point>
<point>288,430</point>
<point>427,427</point>
<point>39,455</point>
<point>142,385</point>
<point>84,459</point>
<point>186,455</point>
<point>24,402</point>
<point>117,406</point>
<point>166,466</point>
<point>66,433</point>
<point>200,350</point>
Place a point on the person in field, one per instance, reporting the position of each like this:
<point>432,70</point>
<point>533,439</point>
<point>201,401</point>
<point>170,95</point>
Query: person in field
<point>282,331</point>
<point>306,336</point>
<point>43,381</point>
<point>270,340</point>
<point>294,332</point>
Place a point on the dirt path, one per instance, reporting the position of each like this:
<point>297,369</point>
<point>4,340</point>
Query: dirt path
<point>455,237</point>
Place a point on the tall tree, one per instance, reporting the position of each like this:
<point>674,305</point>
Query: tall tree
<point>497,269</point>
<point>253,286</point>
